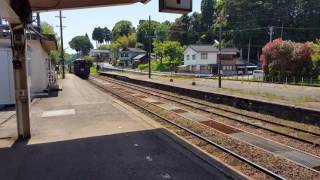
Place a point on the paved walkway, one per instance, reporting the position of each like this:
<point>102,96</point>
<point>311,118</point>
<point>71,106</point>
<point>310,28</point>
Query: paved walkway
<point>287,94</point>
<point>86,134</point>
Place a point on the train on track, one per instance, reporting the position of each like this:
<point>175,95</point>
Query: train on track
<point>81,68</point>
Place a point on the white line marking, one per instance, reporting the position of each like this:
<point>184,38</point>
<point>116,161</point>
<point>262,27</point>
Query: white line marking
<point>148,158</point>
<point>64,112</point>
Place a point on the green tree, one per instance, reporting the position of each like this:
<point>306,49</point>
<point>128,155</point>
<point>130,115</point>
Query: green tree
<point>98,35</point>
<point>123,41</point>
<point>47,28</point>
<point>159,49</point>
<point>55,54</point>
<point>132,38</point>
<point>180,30</point>
<point>256,16</point>
<point>143,32</point>
<point>173,51</point>
<point>81,44</point>
<point>195,29</point>
<point>207,14</point>
<point>162,32</point>
<point>169,50</point>
<point>105,46</point>
<point>107,35</point>
<point>315,58</point>
<point>122,28</point>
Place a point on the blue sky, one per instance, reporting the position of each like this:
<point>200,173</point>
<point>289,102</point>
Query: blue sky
<point>79,22</point>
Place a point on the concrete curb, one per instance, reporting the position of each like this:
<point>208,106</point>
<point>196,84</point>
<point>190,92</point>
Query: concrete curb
<point>294,113</point>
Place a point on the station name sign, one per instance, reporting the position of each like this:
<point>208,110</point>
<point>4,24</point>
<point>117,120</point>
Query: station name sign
<point>175,6</point>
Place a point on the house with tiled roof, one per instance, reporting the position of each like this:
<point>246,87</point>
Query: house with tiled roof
<point>204,59</point>
<point>127,55</point>
<point>101,55</point>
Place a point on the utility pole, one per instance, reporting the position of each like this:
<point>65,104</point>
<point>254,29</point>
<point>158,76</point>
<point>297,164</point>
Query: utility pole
<point>39,23</point>
<point>271,33</point>
<point>282,31</point>
<point>248,57</point>
<point>149,52</point>
<point>220,49</point>
<point>61,38</point>
<point>249,51</point>
<point>219,55</point>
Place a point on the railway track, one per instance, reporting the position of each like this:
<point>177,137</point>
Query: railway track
<point>121,93</point>
<point>295,133</point>
<point>190,132</point>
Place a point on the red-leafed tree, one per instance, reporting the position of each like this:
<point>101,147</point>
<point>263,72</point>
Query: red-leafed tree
<point>301,63</point>
<point>287,58</point>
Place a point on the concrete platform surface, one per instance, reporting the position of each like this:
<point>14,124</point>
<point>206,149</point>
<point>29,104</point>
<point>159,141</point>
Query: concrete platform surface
<point>84,133</point>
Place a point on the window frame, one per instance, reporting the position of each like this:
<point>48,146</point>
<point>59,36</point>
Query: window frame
<point>204,56</point>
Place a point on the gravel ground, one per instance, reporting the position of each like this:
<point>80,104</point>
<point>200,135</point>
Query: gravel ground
<point>277,164</point>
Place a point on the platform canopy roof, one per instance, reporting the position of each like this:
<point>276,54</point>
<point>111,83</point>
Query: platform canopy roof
<point>8,8</point>
<point>48,5</point>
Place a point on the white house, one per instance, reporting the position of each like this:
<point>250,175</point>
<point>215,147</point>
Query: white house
<point>203,59</point>
<point>41,69</point>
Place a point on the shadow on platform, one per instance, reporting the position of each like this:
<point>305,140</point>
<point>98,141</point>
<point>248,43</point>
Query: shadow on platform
<point>133,155</point>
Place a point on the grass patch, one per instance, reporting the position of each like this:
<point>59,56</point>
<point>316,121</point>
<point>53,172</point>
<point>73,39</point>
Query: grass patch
<point>156,66</point>
<point>93,69</point>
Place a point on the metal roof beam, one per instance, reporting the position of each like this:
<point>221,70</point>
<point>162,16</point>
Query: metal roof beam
<point>50,5</point>
<point>8,13</point>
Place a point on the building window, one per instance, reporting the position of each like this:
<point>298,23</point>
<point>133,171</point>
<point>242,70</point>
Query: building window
<point>227,68</point>
<point>204,56</point>
<point>205,68</point>
<point>188,57</point>
<point>193,57</point>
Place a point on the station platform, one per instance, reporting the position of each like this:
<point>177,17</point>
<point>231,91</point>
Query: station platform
<point>291,95</point>
<point>84,133</point>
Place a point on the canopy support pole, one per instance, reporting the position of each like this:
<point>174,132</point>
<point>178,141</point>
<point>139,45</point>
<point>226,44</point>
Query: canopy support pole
<point>20,67</point>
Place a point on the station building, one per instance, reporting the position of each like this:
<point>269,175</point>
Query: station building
<point>40,67</point>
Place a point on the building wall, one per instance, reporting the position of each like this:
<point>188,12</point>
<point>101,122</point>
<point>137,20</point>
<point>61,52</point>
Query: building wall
<point>212,58</point>
<point>38,66</point>
<point>209,65</point>
<point>7,95</point>
<point>130,55</point>
<point>105,56</point>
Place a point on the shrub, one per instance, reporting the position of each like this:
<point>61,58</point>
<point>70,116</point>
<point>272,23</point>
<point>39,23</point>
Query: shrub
<point>286,58</point>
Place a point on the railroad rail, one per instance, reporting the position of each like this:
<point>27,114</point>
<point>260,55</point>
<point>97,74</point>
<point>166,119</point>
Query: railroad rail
<point>205,139</point>
<point>128,92</point>
<point>232,115</point>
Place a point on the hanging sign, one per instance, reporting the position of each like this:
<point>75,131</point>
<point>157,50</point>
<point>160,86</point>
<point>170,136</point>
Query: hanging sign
<point>175,6</point>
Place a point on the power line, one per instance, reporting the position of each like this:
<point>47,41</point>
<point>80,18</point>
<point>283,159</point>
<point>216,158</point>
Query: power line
<point>299,28</point>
